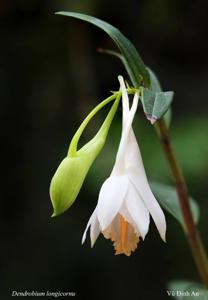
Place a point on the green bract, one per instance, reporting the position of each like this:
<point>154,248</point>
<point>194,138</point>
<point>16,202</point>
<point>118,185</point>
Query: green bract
<point>69,177</point>
<point>155,104</point>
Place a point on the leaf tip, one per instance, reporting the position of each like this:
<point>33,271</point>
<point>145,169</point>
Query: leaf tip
<point>151,118</point>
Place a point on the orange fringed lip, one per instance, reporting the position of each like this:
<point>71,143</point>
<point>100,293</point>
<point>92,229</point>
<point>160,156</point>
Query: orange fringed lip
<point>123,236</point>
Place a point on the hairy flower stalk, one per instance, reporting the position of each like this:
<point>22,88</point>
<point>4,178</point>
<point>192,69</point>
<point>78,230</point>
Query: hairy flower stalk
<point>125,201</point>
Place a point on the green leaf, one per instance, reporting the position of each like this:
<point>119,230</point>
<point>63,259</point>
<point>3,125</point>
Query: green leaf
<point>187,290</point>
<point>134,65</point>
<point>167,197</point>
<point>154,82</point>
<point>155,104</point>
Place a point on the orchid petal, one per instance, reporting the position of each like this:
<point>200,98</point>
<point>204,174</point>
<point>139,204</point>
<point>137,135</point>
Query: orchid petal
<point>94,231</point>
<point>91,219</point>
<point>135,167</point>
<point>151,204</point>
<point>120,158</point>
<point>125,98</point>
<point>133,158</point>
<point>138,211</point>
<point>111,197</point>
<point>126,215</point>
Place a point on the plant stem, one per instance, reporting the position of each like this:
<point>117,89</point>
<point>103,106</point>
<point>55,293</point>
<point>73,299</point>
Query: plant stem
<point>74,142</point>
<point>73,145</point>
<point>192,234</point>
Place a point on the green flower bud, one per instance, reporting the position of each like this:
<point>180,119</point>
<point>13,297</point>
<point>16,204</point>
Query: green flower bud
<point>69,177</point>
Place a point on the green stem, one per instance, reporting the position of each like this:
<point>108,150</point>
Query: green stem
<point>191,231</point>
<point>74,142</point>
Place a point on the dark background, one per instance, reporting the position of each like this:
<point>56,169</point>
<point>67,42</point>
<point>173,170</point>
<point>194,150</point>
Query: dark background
<point>50,78</point>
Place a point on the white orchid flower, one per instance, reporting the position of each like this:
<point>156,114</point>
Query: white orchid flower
<point>126,201</point>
